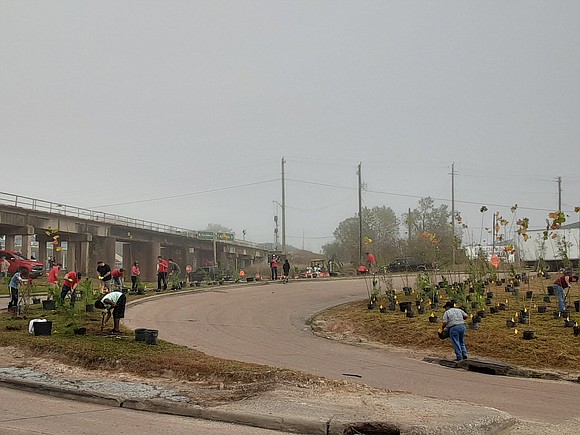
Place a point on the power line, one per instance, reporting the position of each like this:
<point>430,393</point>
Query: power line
<point>202,192</point>
<point>405,195</point>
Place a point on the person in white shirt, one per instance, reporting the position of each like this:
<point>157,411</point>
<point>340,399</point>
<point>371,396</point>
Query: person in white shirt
<point>454,321</point>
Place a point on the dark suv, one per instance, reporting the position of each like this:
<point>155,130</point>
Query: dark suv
<point>17,260</point>
<point>409,264</point>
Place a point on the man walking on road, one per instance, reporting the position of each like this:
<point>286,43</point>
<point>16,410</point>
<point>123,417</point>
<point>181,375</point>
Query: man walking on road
<point>286,269</point>
<point>274,267</point>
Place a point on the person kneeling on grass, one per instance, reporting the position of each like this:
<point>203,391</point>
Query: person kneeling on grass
<point>112,302</point>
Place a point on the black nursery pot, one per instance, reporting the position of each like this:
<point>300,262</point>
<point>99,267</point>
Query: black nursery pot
<point>493,310</point>
<point>488,301</point>
<point>489,295</point>
<point>405,306</point>
<point>547,299</point>
<point>576,331</point>
<point>510,323</point>
<point>371,306</point>
<point>577,306</point>
<point>524,320</point>
<point>568,323</point>
<point>528,335</point>
<point>140,334</point>
<point>551,291</point>
<point>42,328</point>
<point>481,313</point>
<point>529,294</point>
<point>433,319</point>
<point>48,305</point>
<point>410,314</point>
<point>542,308</point>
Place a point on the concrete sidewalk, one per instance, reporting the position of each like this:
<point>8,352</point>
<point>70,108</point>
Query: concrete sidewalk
<point>287,409</point>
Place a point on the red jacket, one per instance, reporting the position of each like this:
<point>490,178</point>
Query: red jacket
<point>53,275</point>
<point>117,273</point>
<point>70,279</point>
<point>162,266</point>
<point>563,281</point>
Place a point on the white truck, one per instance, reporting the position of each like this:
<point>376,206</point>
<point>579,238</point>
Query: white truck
<point>561,248</point>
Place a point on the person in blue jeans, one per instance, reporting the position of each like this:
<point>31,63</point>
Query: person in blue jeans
<point>454,321</point>
<point>560,287</point>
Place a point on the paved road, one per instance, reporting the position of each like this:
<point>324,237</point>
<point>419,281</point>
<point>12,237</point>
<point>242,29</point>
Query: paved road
<point>27,413</point>
<point>266,324</point>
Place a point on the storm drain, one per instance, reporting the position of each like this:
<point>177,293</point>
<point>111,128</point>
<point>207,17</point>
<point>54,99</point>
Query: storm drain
<point>495,368</point>
<point>371,429</point>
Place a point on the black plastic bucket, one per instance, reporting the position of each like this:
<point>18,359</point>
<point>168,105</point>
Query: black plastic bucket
<point>42,328</point>
<point>140,334</point>
<point>151,336</point>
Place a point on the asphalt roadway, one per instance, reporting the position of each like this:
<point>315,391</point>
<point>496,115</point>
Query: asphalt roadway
<point>28,413</point>
<point>267,324</point>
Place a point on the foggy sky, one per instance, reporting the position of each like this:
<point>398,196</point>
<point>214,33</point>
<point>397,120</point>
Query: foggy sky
<point>180,112</point>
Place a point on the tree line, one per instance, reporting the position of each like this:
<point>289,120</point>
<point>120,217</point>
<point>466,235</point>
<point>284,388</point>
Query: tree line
<point>425,233</point>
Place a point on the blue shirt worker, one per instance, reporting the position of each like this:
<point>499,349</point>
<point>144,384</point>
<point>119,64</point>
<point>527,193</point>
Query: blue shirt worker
<point>454,321</point>
<point>15,282</point>
<point>114,303</point>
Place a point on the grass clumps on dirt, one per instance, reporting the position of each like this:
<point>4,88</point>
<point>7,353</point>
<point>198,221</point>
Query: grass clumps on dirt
<point>554,346</point>
<point>98,350</point>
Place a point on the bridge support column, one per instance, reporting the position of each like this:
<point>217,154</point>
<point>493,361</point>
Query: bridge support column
<point>85,258</point>
<point>9,242</point>
<point>27,243</point>
<point>149,263</point>
<point>127,260</point>
<point>42,253</point>
<point>71,260</point>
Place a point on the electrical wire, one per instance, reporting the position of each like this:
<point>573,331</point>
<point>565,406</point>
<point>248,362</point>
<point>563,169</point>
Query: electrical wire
<point>201,192</point>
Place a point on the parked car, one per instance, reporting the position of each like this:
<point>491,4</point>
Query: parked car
<point>17,260</point>
<point>409,264</point>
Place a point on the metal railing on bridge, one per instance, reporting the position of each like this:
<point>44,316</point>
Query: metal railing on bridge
<point>93,215</point>
<point>108,218</point>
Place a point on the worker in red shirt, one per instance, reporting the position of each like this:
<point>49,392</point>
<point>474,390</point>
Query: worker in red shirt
<point>118,275</point>
<point>161,273</point>
<point>372,262</point>
<point>69,284</point>
<point>560,285</point>
<point>274,267</point>
<point>53,275</point>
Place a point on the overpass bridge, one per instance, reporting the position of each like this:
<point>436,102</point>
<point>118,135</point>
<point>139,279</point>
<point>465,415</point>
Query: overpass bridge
<point>86,236</point>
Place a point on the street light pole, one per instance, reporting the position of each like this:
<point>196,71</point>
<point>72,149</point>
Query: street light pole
<point>283,205</point>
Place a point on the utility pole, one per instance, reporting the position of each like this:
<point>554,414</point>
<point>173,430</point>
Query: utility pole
<point>453,213</point>
<point>409,225</point>
<point>559,194</point>
<point>283,209</point>
<point>360,240</point>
